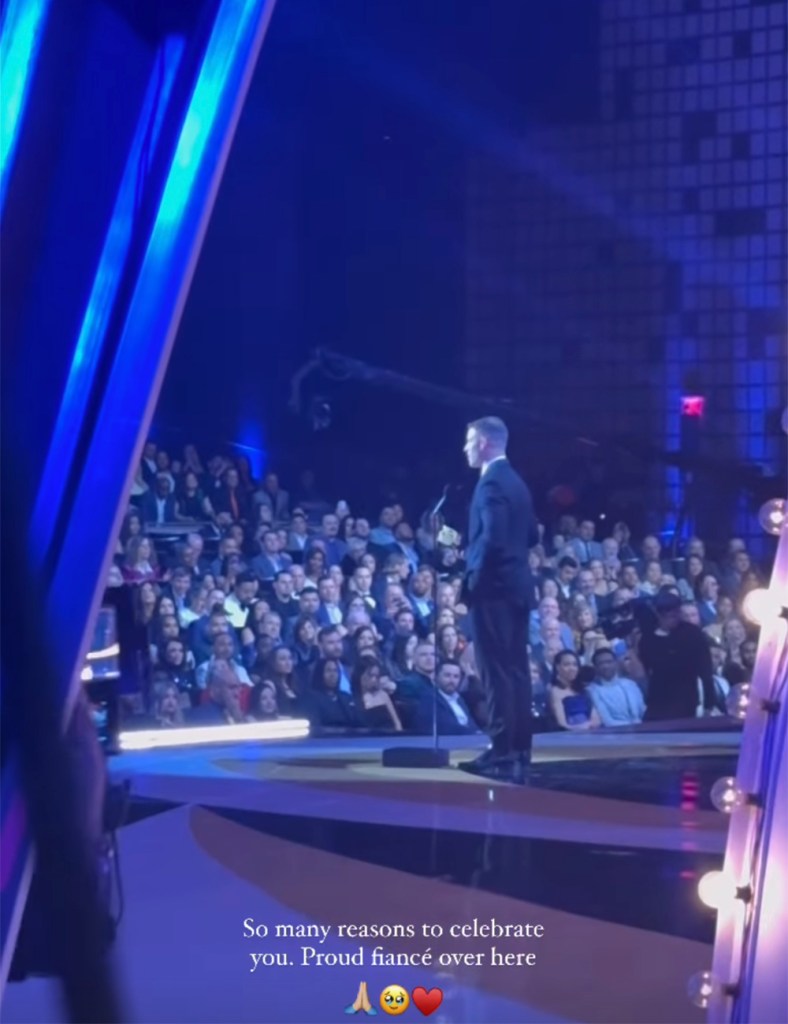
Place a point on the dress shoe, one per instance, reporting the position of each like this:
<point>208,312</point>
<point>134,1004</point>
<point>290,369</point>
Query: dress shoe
<point>499,768</point>
<point>487,759</point>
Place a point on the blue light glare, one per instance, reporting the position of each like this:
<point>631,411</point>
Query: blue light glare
<point>230,33</point>
<point>103,294</point>
<point>20,39</point>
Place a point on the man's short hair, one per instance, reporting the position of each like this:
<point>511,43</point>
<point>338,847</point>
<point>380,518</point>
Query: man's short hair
<point>282,572</point>
<point>452,663</point>
<point>393,560</point>
<point>326,631</point>
<point>245,577</point>
<point>567,560</point>
<point>493,428</point>
<point>599,652</point>
<point>667,600</point>
<point>403,611</point>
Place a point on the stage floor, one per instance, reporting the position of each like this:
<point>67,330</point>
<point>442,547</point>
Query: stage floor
<point>602,849</point>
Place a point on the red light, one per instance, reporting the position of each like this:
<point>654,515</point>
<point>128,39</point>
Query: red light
<point>693,405</point>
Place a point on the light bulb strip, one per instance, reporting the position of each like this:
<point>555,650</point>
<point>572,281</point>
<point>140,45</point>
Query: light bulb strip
<point>740,953</point>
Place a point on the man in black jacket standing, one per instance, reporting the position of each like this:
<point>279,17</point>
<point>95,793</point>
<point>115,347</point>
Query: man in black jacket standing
<point>502,529</point>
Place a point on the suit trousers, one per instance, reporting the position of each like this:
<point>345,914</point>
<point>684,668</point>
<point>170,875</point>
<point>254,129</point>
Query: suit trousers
<point>500,644</point>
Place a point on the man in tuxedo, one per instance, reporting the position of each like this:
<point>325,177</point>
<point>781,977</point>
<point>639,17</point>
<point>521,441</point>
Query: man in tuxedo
<point>502,529</point>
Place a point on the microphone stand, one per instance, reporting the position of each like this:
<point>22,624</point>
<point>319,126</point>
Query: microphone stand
<point>434,756</point>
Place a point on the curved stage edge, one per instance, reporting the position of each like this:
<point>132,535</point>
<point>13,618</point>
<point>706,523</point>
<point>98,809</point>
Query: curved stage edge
<point>603,848</point>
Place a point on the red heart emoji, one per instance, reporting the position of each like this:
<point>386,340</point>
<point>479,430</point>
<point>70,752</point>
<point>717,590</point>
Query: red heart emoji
<point>427,1002</point>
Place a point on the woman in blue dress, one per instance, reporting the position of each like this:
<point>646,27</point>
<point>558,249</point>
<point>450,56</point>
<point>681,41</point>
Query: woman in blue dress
<point>570,704</point>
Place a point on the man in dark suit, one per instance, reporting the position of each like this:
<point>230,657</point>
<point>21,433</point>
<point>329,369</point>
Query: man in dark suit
<point>452,714</point>
<point>502,529</point>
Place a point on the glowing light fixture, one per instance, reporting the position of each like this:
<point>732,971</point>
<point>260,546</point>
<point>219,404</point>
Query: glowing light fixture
<point>761,606</point>
<point>703,986</point>
<point>727,796</point>
<point>773,515</point>
<point>718,890</point>
<point>20,38</point>
<point>158,739</point>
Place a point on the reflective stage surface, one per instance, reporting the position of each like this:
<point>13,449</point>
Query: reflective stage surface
<point>599,855</point>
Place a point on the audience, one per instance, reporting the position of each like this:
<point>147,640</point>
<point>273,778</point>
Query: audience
<point>313,613</point>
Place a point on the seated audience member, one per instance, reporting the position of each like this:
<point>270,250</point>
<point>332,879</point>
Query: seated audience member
<point>203,631</point>
<point>329,640</point>
<point>228,547</point>
<point>223,703</point>
<point>448,638</point>
<point>725,611</point>
<point>360,584</point>
<point>304,646</point>
<point>446,704</point>
<point>694,571</point>
<point>330,611</point>
<point>271,495</point>
<point>192,502</point>
<point>334,547</point>
<point>741,671</point>
<point>722,685</point>
<point>403,533</point>
<point>412,687</point>
<point>544,654</point>
<point>549,611</point>
<point>372,698</point>
<point>420,596</point>
<point>622,535</point>
<point>240,600</point>
<point>629,580</point>
<point>256,657</point>
<point>584,546</point>
<point>298,537</point>
<point>132,527</point>
<point>231,500</point>
<point>582,616</point>
<point>180,584</point>
<point>224,651</point>
<point>618,700</point>
<point>364,643</point>
<point>315,564</point>
<point>733,636</point>
<point>592,640</point>
<point>263,706</point>
<point>167,707</point>
<point>159,506</point>
<point>400,661</point>
<point>569,702</point>
<point>140,565</point>
<point>271,559</point>
<point>708,596</point>
<point>651,551</point>
<point>329,707</point>
<point>280,672</point>
<point>283,601</point>
<point>652,579</point>
<point>565,578</point>
<point>271,625</point>
<point>690,613</point>
<point>382,537</point>
<point>174,666</point>
<point>194,606</point>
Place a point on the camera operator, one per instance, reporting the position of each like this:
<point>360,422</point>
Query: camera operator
<point>675,655</point>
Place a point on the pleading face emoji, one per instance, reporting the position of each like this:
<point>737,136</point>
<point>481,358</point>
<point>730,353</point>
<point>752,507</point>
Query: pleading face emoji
<point>394,1000</point>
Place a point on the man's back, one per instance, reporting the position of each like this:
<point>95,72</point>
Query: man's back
<point>502,530</point>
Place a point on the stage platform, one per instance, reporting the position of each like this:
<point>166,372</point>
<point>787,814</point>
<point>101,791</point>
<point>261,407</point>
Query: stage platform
<point>602,848</point>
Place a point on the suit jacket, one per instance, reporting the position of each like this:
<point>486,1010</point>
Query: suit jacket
<point>448,725</point>
<point>149,508</point>
<point>265,568</point>
<point>221,502</point>
<point>502,530</point>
